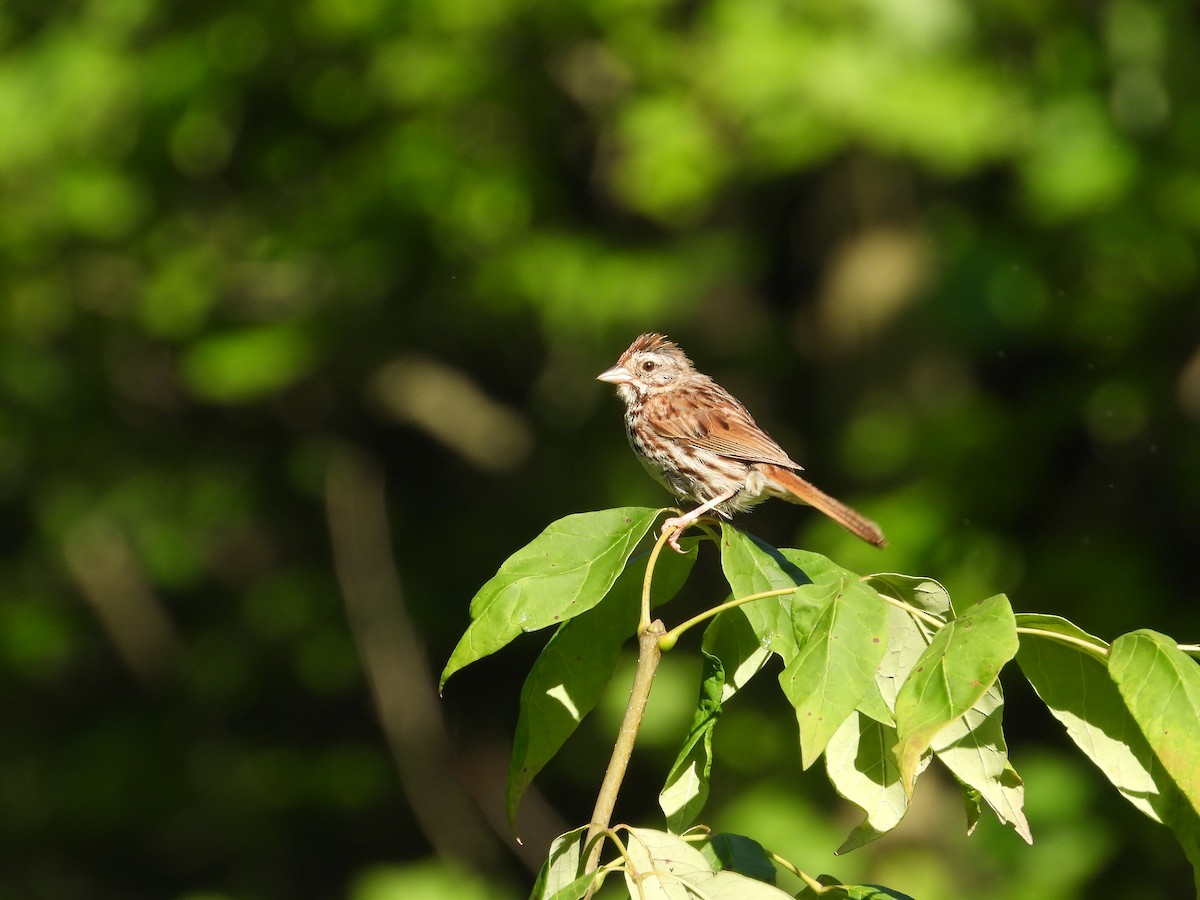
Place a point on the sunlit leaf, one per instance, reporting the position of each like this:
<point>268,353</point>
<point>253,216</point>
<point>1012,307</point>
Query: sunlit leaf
<point>752,566</point>
<point>923,593</point>
<point>564,571</point>
<point>686,788</point>
<point>974,750</point>
<point>1161,688</point>
<point>907,634</point>
<point>665,866</point>
<point>560,877</point>
<point>577,663</point>
<point>731,639</point>
<point>861,763</point>
<point>959,665</point>
<point>1072,679</point>
<point>835,667</point>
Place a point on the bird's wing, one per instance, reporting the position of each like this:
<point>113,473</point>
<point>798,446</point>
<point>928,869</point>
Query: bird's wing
<point>695,416</point>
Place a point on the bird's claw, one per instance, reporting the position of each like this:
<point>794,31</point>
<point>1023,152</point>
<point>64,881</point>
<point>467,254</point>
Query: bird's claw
<point>677,528</point>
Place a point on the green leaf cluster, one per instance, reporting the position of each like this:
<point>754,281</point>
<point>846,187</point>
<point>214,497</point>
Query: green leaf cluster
<point>883,674</point>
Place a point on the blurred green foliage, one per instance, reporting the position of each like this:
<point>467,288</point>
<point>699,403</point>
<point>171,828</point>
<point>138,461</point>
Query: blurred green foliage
<point>947,252</point>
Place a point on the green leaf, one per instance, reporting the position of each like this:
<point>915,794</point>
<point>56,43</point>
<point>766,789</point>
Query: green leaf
<point>560,878</point>
<point>974,750</point>
<point>731,639</point>
<point>733,655</point>
<point>665,866</point>
<point>573,890</point>
<point>1075,637</point>
<point>752,567</point>
<point>908,635</point>
<point>576,665</point>
<point>860,759</point>
<point>834,890</point>
<point>862,766</point>
<point>835,667</point>
<point>738,853</point>
<point>782,623</point>
<point>951,675</point>
<point>874,706</point>
<point>1161,687</point>
<point>1074,683</point>
<point>916,590</point>
<point>564,571</point>
<point>686,788</point>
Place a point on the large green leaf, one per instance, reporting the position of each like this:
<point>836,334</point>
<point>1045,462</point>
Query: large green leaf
<point>835,666</point>
<point>908,634</point>
<point>733,655</point>
<point>1161,688</point>
<point>974,750</point>
<point>738,853</point>
<point>861,763</point>
<point>560,877</point>
<point>917,591</point>
<point>665,866</point>
<point>731,639</point>
<point>951,675</point>
<point>577,663</point>
<point>860,758</point>
<point>781,623</point>
<point>1072,679</point>
<point>564,571</point>
<point>752,567</point>
<point>686,788</point>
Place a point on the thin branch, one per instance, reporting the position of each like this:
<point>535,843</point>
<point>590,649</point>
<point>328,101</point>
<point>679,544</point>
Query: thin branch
<point>1100,653</point>
<point>813,885</point>
<point>927,618</point>
<point>668,640</point>
<point>606,800</point>
<point>644,623</point>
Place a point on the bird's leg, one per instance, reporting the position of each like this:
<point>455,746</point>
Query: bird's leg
<point>679,524</point>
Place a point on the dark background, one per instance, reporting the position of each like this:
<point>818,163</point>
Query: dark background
<point>270,272</point>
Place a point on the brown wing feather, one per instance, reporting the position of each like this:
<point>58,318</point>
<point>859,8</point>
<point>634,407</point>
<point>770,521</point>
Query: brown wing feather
<point>690,414</point>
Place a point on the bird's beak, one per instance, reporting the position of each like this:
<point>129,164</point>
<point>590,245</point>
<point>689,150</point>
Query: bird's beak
<point>615,375</point>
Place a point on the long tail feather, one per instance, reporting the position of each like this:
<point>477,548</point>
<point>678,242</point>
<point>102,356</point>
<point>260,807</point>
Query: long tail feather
<point>795,489</point>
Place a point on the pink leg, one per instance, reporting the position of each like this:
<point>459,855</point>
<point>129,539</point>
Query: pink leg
<point>679,524</point>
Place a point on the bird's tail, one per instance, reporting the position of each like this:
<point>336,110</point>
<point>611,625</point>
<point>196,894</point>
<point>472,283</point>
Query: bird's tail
<point>791,487</point>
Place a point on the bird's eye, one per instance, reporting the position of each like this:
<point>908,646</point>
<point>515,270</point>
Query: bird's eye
<point>649,365</point>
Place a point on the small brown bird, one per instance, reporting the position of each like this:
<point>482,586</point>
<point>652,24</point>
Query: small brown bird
<point>701,444</point>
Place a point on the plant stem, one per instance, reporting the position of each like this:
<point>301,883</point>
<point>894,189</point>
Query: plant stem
<point>927,618</point>
<point>668,640</point>
<point>811,883</point>
<point>1101,653</point>
<point>644,622</point>
<point>648,658</point>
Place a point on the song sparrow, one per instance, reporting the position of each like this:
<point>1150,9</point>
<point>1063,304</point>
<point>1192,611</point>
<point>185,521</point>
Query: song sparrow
<point>701,444</point>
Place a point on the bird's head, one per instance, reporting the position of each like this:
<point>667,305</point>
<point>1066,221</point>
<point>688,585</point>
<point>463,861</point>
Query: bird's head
<point>651,364</point>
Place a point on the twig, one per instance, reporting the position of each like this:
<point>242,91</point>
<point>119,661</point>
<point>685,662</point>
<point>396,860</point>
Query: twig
<point>648,658</point>
<point>668,640</point>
